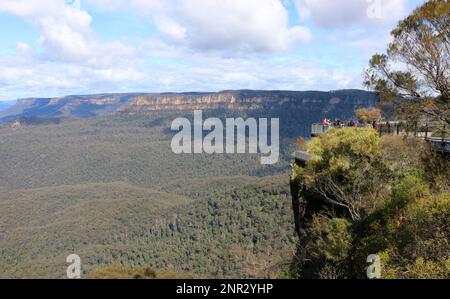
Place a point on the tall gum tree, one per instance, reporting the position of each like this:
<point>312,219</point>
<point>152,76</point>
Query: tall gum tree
<point>415,69</point>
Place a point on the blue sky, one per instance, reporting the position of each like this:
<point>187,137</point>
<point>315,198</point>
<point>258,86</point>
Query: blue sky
<point>51,48</point>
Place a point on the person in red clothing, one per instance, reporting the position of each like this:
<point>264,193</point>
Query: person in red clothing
<point>326,122</point>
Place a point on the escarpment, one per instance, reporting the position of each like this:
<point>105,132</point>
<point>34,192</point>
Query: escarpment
<point>299,102</point>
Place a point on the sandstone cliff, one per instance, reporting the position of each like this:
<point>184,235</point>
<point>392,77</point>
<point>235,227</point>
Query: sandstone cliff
<point>333,102</point>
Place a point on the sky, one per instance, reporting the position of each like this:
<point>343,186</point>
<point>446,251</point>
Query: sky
<point>51,48</point>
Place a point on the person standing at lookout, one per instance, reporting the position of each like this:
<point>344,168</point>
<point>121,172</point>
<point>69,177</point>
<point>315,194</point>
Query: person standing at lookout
<point>376,126</point>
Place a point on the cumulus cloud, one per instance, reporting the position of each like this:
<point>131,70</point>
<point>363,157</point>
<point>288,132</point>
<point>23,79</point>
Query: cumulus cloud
<point>66,33</point>
<point>345,13</point>
<point>231,27</point>
<point>71,57</point>
<point>222,25</point>
<point>244,26</point>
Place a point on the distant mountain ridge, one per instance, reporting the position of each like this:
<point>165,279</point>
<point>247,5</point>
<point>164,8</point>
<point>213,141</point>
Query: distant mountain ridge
<point>6,105</point>
<point>83,106</point>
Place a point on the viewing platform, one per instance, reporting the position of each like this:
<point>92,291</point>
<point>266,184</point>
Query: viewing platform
<point>436,135</point>
<point>319,129</point>
<point>301,156</point>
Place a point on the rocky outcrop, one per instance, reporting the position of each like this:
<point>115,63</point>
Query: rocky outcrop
<point>16,124</point>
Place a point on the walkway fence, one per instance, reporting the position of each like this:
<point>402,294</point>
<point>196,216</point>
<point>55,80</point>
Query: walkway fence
<point>431,132</point>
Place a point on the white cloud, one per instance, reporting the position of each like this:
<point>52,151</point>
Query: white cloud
<point>66,33</point>
<point>230,27</point>
<point>345,13</point>
<point>23,48</point>
<point>144,6</point>
<point>242,26</point>
<point>28,77</point>
<point>235,25</point>
<point>22,77</point>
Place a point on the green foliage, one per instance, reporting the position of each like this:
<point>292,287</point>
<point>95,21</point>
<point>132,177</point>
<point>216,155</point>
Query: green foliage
<point>341,151</point>
<point>411,156</point>
<point>324,249</point>
<point>117,271</point>
<point>107,150</point>
<point>111,190</point>
<point>412,239</point>
<point>346,169</point>
<point>422,269</point>
<point>332,239</point>
<point>409,189</point>
<point>192,229</point>
<point>407,224</point>
<point>337,240</point>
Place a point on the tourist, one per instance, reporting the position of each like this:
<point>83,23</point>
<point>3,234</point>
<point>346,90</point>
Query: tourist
<point>326,122</point>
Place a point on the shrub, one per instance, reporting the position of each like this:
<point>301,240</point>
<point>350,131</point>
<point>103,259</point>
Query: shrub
<point>409,189</point>
<point>368,115</point>
<point>347,169</point>
<point>409,232</point>
<point>325,247</point>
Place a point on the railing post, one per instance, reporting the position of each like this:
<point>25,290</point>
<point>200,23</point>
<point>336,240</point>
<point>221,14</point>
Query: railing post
<point>443,134</point>
<point>426,132</point>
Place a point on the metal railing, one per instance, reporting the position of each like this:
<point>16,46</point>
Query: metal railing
<point>318,129</point>
<point>429,132</point>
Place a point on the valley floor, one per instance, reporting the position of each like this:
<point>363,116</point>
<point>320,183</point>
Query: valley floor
<point>111,191</point>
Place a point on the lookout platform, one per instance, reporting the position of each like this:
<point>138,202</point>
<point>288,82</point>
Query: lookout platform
<point>301,156</point>
<point>436,135</point>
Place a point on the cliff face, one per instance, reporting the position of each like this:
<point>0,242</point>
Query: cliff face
<point>249,100</point>
<point>335,102</point>
<point>187,102</point>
